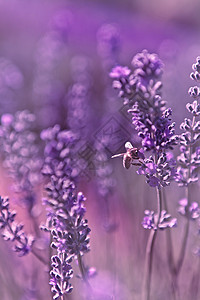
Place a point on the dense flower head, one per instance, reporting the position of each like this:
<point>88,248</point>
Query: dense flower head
<point>78,108</point>
<point>157,133</point>
<point>11,231</point>
<point>160,173</point>
<point>150,220</point>
<point>59,160</point>
<point>65,217</point>
<point>147,65</point>
<point>140,88</point>
<point>142,83</point>
<point>21,153</point>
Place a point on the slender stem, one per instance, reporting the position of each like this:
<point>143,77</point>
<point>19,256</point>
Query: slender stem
<point>183,248</point>
<point>82,270</point>
<point>148,265</point>
<point>40,258</point>
<point>169,243</point>
<point>149,251</point>
<point>170,256</point>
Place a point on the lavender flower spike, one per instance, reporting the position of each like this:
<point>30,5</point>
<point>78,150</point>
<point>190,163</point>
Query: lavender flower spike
<point>13,231</point>
<point>65,220</point>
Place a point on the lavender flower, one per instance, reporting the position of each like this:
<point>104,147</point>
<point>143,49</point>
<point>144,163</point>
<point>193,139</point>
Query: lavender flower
<point>151,220</point>
<point>143,83</point>
<point>189,159</point>
<point>21,154</point>
<point>60,274</point>
<point>193,210</point>
<point>140,89</point>
<point>13,231</point>
<point>108,45</point>
<point>78,97</point>
<point>65,218</point>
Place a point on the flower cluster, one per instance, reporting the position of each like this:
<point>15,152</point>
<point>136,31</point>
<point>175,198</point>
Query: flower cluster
<point>160,173</point>
<point>13,231</point>
<point>150,220</point>
<point>21,154</point>
<point>140,88</point>
<point>189,159</point>
<point>60,275</point>
<point>104,171</point>
<point>193,210</point>
<point>77,104</point>
<point>108,45</point>
<point>59,160</point>
<point>142,83</point>
<point>65,219</point>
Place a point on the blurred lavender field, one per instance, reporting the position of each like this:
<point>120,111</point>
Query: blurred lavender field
<point>55,60</point>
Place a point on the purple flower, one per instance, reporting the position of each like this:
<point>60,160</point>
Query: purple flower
<point>194,108</point>
<point>120,72</point>
<point>65,218</point>
<point>196,67</point>
<point>148,221</point>
<point>108,45</point>
<point>21,154</point>
<point>165,221</point>
<point>60,274</point>
<point>11,231</point>
<point>193,210</point>
<point>147,65</point>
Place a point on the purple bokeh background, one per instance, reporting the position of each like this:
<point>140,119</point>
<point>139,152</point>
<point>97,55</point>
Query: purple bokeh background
<point>37,72</point>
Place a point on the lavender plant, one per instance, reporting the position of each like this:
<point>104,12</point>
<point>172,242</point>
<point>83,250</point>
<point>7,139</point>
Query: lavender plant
<point>21,155</point>
<point>11,231</point>
<point>187,175</point>
<point>69,229</point>
<point>140,88</point>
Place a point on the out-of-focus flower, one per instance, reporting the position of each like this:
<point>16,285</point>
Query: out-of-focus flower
<point>150,220</point>
<point>21,154</point>
<point>108,45</point>
<point>11,82</point>
<point>193,210</point>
